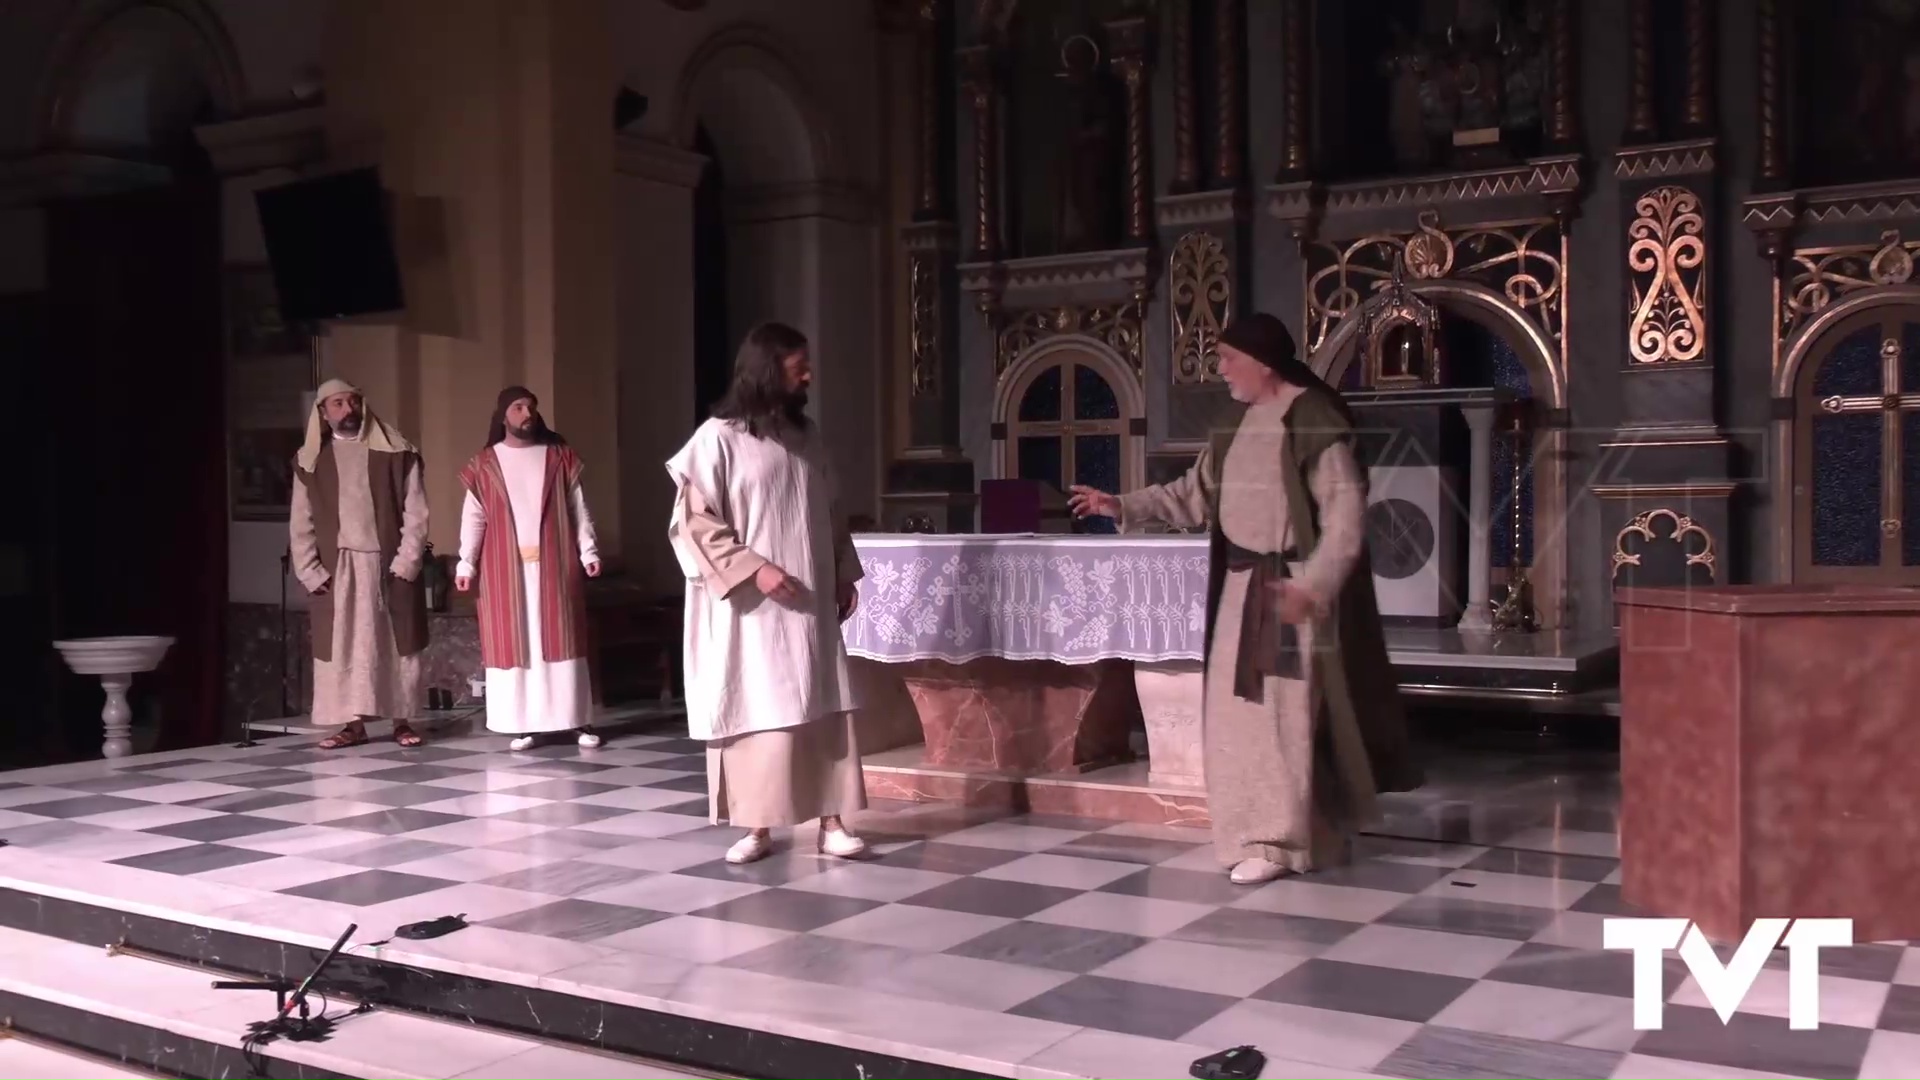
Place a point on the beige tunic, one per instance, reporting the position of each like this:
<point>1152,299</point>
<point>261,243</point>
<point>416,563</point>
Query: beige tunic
<point>1259,760</point>
<point>775,756</point>
<point>367,676</point>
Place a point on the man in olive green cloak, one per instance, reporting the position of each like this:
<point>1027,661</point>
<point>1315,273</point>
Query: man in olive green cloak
<point>1302,721</point>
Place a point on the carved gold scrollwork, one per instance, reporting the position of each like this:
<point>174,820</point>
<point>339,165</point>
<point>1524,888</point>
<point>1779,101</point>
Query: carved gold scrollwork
<point>1519,260</point>
<point>923,300</point>
<point>1200,289</point>
<point>1822,275</point>
<point>1668,259</point>
<point>1683,528</point>
<point>1117,326</point>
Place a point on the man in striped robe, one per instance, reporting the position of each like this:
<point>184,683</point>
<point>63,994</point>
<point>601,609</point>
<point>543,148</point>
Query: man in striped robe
<point>526,535</point>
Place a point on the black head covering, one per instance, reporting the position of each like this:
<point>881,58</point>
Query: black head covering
<point>1268,340</point>
<point>497,427</point>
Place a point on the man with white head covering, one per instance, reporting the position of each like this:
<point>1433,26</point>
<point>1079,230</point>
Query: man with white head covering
<point>359,532</point>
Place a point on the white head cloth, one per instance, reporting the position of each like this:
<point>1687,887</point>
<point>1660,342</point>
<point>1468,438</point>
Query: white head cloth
<point>377,435</point>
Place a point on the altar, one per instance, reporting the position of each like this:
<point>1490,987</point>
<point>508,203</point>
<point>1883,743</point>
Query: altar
<point>1040,668</point>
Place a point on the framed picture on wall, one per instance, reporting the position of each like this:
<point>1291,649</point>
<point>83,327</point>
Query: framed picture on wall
<point>269,372</point>
<point>261,468</point>
<point>254,325</point>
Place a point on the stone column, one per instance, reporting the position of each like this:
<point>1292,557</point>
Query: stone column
<point>1128,38</point>
<point>653,184</point>
<point>1670,457</point>
<point>490,124</point>
<point>1479,516</point>
<point>929,485</point>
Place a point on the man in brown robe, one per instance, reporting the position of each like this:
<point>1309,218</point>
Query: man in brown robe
<point>359,535</point>
<point>1302,723</point>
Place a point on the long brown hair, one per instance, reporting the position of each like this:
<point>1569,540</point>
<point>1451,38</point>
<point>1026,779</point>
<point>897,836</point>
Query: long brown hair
<point>758,397</point>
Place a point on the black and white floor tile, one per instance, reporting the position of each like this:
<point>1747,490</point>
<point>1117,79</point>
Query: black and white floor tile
<point>1465,941</point>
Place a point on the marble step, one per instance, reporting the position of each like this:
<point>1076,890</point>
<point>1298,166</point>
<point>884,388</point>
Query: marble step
<point>21,1055</point>
<point>146,1014</point>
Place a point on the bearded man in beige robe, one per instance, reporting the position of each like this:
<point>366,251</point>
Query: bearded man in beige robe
<point>359,535</point>
<point>770,577</point>
<point>1301,720</point>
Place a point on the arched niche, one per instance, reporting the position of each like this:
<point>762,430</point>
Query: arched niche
<point>132,78</point>
<point>796,240</point>
<point>766,124</point>
<point>1096,402</point>
<point>1810,372</point>
<point>1539,354</point>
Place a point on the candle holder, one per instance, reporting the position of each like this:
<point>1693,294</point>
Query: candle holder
<point>1515,612</point>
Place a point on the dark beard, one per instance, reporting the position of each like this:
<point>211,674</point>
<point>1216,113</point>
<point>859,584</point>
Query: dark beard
<point>524,431</point>
<point>796,410</point>
<point>349,426</point>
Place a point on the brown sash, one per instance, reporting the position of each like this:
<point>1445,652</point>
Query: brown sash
<point>1268,644</point>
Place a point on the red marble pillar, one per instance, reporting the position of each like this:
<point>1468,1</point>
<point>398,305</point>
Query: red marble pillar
<point>1768,756</point>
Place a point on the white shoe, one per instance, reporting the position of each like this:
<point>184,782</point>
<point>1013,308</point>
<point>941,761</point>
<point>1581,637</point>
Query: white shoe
<point>841,844</point>
<point>750,848</point>
<point>1256,872</point>
<point>589,741</point>
<point>524,742</point>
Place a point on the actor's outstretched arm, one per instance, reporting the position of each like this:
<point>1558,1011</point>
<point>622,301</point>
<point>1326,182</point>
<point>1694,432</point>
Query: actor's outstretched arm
<point>1340,491</point>
<point>304,541</point>
<point>1184,503</point>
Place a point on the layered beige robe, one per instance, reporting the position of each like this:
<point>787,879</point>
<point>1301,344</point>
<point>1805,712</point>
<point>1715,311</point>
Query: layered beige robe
<point>1265,790</point>
<point>365,675</point>
<point>767,683</point>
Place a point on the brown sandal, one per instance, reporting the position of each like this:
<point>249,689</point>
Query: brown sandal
<point>344,738</point>
<point>406,736</point>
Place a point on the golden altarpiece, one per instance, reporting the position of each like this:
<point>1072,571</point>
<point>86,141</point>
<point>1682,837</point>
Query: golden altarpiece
<point>1106,185</point>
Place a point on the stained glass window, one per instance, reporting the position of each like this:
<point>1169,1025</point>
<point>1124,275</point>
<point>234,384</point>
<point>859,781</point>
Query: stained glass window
<point>1069,427</point>
<point>1860,452</point>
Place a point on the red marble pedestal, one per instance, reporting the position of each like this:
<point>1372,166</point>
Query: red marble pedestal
<point>1768,752</point>
<point>1024,717</point>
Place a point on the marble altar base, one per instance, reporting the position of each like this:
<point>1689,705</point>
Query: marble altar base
<point>1023,717</point>
<point>1125,792</point>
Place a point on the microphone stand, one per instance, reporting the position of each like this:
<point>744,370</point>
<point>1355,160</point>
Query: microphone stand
<point>289,999</point>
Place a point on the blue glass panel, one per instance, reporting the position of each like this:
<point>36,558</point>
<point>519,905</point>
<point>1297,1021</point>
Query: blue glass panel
<point>1096,463</point>
<point>1041,403</point>
<point>1910,488</point>
<point>1040,458</point>
<point>1092,398</point>
<point>1847,460</point>
<point>1508,371</point>
<point>1910,359</point>
<point>1852,369</point>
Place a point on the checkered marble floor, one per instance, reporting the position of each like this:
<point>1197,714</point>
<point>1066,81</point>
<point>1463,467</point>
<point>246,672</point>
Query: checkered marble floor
<point>1464,941</point>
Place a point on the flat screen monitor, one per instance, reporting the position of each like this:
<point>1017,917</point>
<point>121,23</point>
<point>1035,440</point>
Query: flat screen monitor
<point>330,242</point>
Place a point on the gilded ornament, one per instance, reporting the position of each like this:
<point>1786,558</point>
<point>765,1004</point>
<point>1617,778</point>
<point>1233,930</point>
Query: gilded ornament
<point>1429,252</point>
<point>1200,291</point>
<point>1683,528</point>
<point>1821,276</point>
<point>1517,260</point>
<point>1116,326</point>
<point>1669,253</point>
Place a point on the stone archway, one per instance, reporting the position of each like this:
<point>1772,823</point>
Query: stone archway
<point>134,76</point>
<point>1540,355</point>
<point>800,239</point>
<point>1811,340</point>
